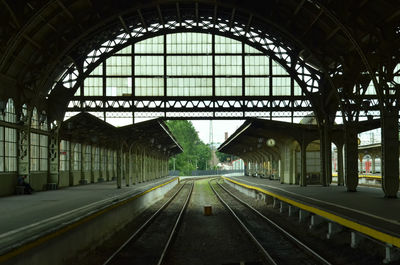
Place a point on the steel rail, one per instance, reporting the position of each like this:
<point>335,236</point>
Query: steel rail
<point>143,226</point>
<point>263,251</point>
<point>173,231</point>
<point>280,229</point>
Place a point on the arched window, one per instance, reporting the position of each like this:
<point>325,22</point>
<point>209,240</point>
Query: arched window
<point>34,119</point>
<point>43,121</point>
<point>77,157</point>
<point>10,115</point>
<point>64,155</point>
<point>39,142</point>
<point>185,65</point>
<point>34,143</point>
<point>8,141</point>
<point>96,161</point>
<point>88,158</point>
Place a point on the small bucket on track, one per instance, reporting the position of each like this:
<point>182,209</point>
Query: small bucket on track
<point>207,210</point>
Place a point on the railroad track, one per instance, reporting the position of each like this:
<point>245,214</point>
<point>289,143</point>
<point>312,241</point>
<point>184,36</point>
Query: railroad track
<point>275,244</point>
<point>150,242</point>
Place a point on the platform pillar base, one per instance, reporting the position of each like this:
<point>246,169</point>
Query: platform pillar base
<point>303,216</point>
<point>355,239</point>
<point>333,229</point>
<point>292,210</point>
<point>315,220</point>
<point>391,254</point>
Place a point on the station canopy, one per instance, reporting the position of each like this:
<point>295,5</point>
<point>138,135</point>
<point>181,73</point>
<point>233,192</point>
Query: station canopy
<point>343,54</point>
<point>89,129</point>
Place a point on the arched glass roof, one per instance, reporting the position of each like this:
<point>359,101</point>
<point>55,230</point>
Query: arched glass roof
<point>188,66</point>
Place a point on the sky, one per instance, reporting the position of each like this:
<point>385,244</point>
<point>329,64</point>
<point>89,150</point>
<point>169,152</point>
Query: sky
<point>219,129</point>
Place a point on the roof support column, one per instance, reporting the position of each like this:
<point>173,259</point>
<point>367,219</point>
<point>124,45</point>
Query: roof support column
<point>360,158</point>
<point>295,179</point>
<point>54,157</point>
<point>144,171</point>
<point>119,168</point>
<point>167,166</point>
<point>390,153</point>
<point>340,164</point>
<point>128,167</point>
<point>71,163</point>
<point>326,154</point>
<point>373,157</point>
<point>246,166</point>
<point>23,145</point>
<point>282,170</point>
<point>303,159</point>
<point>137,169</point>
<point>103,164</point>
<point>92,162</point>
<point>351,157</point>
<point>83,161</point>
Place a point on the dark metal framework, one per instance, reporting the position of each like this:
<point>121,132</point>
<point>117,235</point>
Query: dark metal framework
<point>346,51</point>
<point>304,74</point>
<point>212,106</point>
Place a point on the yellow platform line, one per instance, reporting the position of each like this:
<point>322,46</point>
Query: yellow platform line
<point>395,241</point>
<point>71,226</point>
<point>362,176</point>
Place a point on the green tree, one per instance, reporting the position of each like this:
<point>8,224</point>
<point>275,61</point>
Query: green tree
<point>195,152</point>
<point>222,157</point>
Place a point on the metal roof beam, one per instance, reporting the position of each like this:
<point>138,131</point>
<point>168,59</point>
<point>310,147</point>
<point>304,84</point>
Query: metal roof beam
<point>160,15</point>
<point>142,19</point>
<point>247,28</point>
<point>333,33</point>
<point>69,14</point>
<point>178,13</point>
<point>298,7</point>
<point>232,17</point>
<point>12,13</point>
<point>197,12</point>
<point>312,23</point>
<point>124,25</point>
<point>32,41</point>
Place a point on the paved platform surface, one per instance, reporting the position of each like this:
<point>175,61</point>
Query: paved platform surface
<point>367,206</point>
<point>27,215</point>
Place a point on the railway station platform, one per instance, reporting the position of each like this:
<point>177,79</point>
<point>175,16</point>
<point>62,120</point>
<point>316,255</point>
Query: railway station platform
<point>366,211</point>
<point>27,218</point>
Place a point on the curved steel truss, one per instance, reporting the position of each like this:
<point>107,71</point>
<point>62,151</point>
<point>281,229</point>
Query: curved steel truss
<point>143,25</point>
<point>305,75</point>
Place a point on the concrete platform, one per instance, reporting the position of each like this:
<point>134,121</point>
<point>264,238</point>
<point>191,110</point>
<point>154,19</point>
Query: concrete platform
<point>28,216</point>
<point>367,206</point>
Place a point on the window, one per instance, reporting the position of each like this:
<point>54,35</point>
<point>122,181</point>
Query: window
<point>87,159</point>
<point>186,64</point>
<point>93,86</point>
<point>43,152</point>
<point>77,157</point>
<point>96,158</point>
<point>39,143</point>
<point>64,155</point>
<point>110,160</point>
<point>8,141</point>
<point>103,159</point>
<point>34,152</point>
